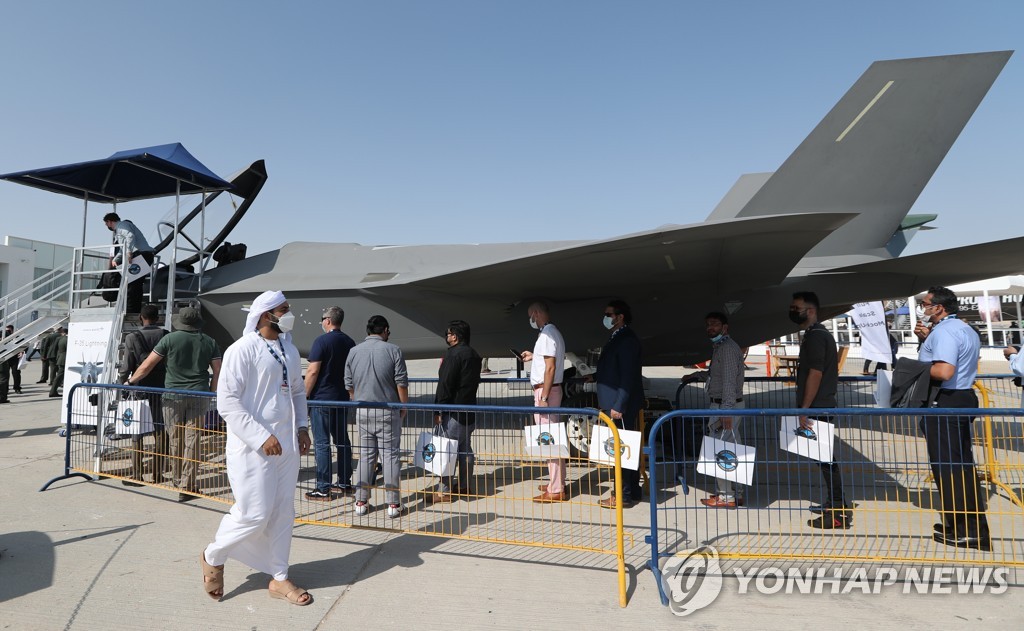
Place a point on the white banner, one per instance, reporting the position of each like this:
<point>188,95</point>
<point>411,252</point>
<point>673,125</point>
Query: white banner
<point>87,349</point>
<point>874,336</point>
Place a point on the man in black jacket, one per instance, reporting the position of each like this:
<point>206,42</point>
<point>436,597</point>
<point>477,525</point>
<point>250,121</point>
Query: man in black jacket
<point>138,345</point>
<point>620,387</point>
<point>457,381</point>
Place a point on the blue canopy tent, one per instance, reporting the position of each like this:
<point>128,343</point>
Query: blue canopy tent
<point>130,175</point>
<point>136,174</point>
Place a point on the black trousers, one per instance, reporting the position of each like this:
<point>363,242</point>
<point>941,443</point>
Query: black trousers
<point>962,504</point>
<point>133,302</point>
<point>831,473</point>
<point>5,379</point>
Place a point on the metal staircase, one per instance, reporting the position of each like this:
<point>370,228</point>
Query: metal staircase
<point>34,308</point>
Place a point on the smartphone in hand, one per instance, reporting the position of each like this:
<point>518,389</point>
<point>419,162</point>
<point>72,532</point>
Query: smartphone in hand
<point>518,354</point>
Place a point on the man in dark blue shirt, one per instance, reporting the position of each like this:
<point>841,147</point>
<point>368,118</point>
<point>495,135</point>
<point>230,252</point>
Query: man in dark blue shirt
<point>325,381</point>
<point>620,388</point>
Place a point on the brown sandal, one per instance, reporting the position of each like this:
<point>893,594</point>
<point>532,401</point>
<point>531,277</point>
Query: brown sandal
<point>216,575</point>
<point>293,595</point>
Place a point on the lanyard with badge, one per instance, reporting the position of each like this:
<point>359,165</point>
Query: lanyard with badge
<point>280,360</point>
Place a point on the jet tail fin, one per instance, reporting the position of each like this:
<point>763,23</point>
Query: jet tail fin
<point>875,151</point>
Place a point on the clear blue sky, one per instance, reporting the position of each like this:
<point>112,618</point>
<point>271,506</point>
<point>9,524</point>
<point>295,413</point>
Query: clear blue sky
<point>475,121</point>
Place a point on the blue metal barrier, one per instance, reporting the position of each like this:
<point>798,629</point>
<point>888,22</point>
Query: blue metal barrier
<point>888,476</point>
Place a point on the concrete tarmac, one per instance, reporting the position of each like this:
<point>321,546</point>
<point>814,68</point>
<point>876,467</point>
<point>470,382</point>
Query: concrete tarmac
<point>99,555</point>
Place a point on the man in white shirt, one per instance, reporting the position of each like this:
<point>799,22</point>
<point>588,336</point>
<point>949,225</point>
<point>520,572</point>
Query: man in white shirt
<point>263,401</point>
<point>546,370</point>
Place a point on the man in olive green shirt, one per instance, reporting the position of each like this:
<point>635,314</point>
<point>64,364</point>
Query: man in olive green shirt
<point>188,352</point>
<point>59,353</point>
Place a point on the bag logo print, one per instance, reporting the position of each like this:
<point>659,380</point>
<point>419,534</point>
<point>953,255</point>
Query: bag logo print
<point>134,269</point>
<point>545,438</point>
<point>127,417</point>
<point>726,460</point>
<point>609,448</point>
<point>429,451</point>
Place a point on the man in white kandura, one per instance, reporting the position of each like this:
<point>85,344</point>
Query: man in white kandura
<point>263,401</point>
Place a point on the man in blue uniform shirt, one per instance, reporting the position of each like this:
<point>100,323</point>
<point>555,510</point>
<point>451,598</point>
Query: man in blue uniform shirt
<point>952,348</point>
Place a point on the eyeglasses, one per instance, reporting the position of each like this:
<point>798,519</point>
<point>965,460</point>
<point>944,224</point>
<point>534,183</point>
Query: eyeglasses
<point>610,315</point>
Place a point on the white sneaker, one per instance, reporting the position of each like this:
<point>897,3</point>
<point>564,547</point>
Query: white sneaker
<point>394,510</point>
<point>361,508</point>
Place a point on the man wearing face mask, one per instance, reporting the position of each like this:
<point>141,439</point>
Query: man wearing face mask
<point>187,352</point>
<point>325,381</point>
<point>620,387</point>
<point>725,391</point>
<point>375,372</point>
<point>953,349</point>
<point>263,402</point>
<point>457,382</point>
<point>546,370</point>
<point>817,381</point>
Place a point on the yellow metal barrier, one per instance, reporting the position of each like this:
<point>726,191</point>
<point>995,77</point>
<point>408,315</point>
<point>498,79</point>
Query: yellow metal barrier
<point>500,508</point>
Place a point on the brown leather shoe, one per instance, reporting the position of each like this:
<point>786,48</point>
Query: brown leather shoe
<point>716,501</point>
<point>440,498</point>
<point>609,502</point>
<point>546,497</point>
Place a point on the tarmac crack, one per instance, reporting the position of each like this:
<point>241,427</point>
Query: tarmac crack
<point>88,590</point>
<point>379,548</point>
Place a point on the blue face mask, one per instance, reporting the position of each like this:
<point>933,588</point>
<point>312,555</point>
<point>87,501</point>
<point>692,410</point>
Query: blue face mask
<point>718,338</point>
<point>608,322</point>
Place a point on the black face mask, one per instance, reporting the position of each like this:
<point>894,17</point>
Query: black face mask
<point>798,317</point>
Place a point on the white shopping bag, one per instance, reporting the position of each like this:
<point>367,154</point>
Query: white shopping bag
<point>137,268</point>
<point>546,441</point>
<point>817,448</point>
<point>23,361</point>
<point>133,417</point>
<point>602,446</point>
<point>727,460</point>
<point>883,388</point>
<point>437,454</point>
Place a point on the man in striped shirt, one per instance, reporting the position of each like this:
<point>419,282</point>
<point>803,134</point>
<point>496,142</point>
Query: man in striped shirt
<point>725,391</point>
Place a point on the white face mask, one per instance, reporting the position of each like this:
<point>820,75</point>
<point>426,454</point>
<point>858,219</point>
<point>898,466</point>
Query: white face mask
<point>608,322</point>
<point>533,324</point>
<point>922,317</point>
<point>285,322</point>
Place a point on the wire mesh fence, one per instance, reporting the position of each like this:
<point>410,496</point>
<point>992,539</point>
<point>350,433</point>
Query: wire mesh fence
<point>878,496</point>
<point>176,440</point>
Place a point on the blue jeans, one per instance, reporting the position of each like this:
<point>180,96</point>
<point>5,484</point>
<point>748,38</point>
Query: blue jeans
<point>330,427</point>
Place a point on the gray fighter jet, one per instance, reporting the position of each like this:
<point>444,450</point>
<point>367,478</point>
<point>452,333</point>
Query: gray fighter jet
<point>832,219</point>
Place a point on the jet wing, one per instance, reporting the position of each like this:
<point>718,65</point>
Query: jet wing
<point>729,256</point>
<point>909,275</point>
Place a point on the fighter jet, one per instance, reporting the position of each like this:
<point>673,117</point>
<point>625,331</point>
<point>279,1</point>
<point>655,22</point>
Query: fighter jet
<point>832,219</point>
